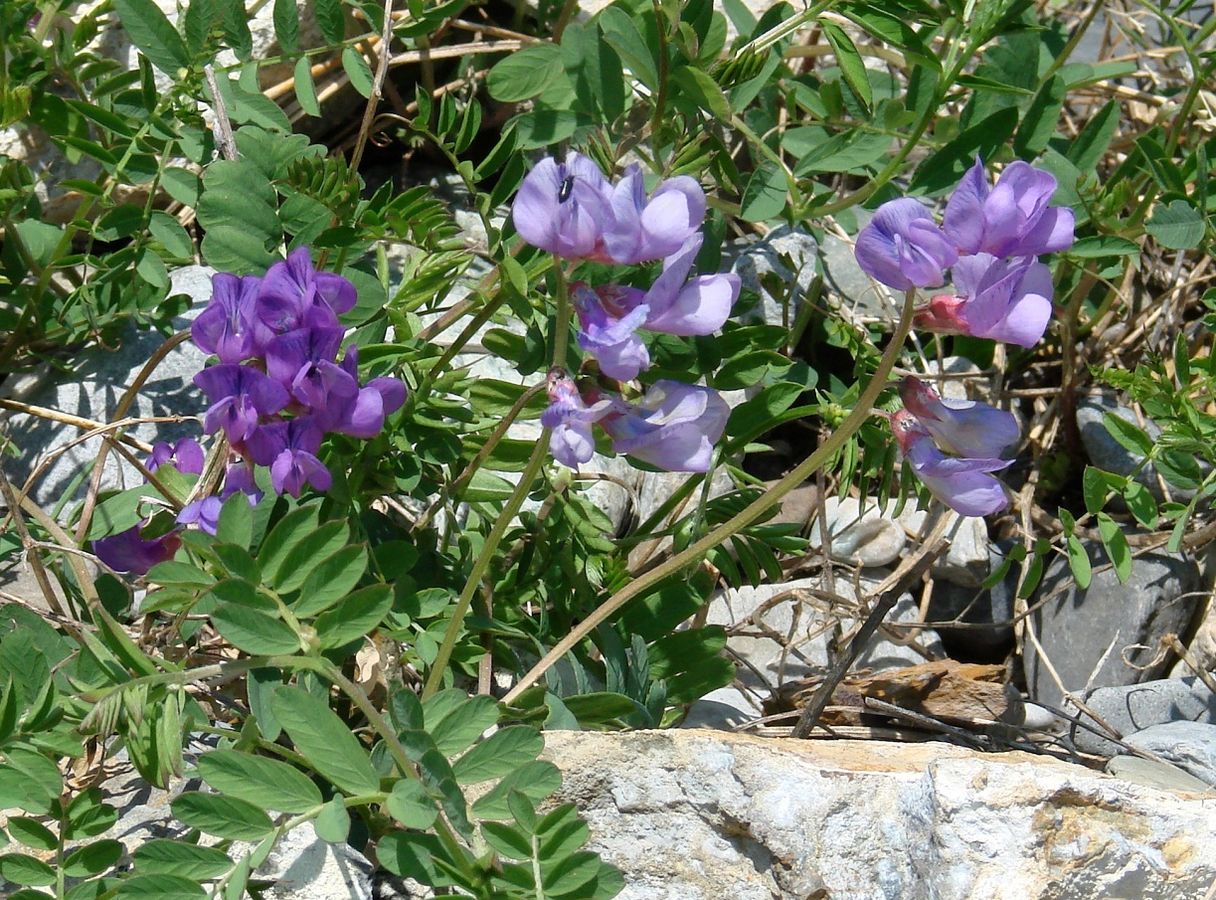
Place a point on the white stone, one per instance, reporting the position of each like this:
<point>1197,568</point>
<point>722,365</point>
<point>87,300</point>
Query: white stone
<point>711,815</point>
<point>860,536</point>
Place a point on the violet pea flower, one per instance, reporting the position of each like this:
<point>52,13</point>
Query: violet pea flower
<point>642,229</point>
<point>963,427</point>
<point>1010,219</point>
<point>902,247</point>
<point>204,513</point>
<point>1002,300</point>
<point>238,479</point>
<point>290,449</point>
<point>569,419</point>
<point>239,397</point>
<point>674,426</point>
<point>378,399</point>
<point>303,362</point>
<point>186,456</point>
<point>564,207</point>
<point>963,484</point>
<point>227,326</point>
<point>293,294</point>
<point>128,552</point>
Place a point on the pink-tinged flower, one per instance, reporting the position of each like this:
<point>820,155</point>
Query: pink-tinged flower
<point>128,552</point>
<point>609,316</point>
<point>961,427</point>
<point>294,295</point>
<point>186,456</point>
<point>227,326</point>
<point>1010,219</point>
<point>962,483</point>
<point>564,207</point>
<point>674,427</point>
<point>204,513</point>
<point>642,229</point>
<point>569,420</point>
<point>902,247</point>
<point>290,449</point>
<point>1002,300</point>
<point>239,397</point>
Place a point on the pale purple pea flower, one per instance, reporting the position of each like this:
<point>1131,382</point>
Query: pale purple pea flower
<point>962,427</point>
<point>690,306</point>
<point>674,426</point>
<point>204,513</point>
<point>290,449</point>
<point>569,420</point>
<point>186,456</point>
<point>227,326</point>
<point>1010,219</point>
<point>675,304</point>
<point>902,247</point>
<point>563,208</point>
<point>608,318</point>
<point>239,397</point>
<point>128,552</point>
<point>642,229</point>
<point>1002,300</point>
<point>379,398</point>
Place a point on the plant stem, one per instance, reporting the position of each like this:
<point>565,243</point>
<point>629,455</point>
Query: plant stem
<point>435,677</point>
<point>747,516</point>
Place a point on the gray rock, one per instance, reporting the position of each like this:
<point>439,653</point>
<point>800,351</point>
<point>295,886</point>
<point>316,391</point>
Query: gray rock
<point>860,535</point>
<point>983,613</point>
<point>1107,453</point>
<point>952,376</point>
<point>92,388</point>
<point>1201,647</point>
<point>1077,628</point>
<point>784,631</point>
<point>967,561</point>
<point>725,708</point>
<point>1133,708</point>
<point>702,815</point>
<point>1154,774</point>
<point>785,255</point>
<point>1190,745</point>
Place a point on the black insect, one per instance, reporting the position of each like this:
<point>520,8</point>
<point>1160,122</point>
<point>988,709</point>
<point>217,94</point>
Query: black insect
<point>567,188</point>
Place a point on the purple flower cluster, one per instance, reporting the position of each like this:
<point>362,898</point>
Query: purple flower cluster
<point>277,390</point>
<point>990,238</point>
<point>571,210</point>
<point>989,242</point>
<point>279,387</point>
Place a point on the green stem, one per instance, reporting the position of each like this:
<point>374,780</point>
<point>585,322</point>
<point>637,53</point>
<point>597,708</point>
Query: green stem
<point>561,328</point>
<point>435,678</point>
<point>747,516</point>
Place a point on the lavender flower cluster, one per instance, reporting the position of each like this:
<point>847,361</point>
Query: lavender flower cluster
<point>571,210</point>
<point>989,241</point>
<point>277,391</point>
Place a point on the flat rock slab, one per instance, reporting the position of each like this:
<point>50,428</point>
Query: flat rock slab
<point>697,815</point>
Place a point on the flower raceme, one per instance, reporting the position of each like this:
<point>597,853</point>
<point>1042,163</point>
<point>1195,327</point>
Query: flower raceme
<point>277,390</point>
<point>673,426</point>
<point>953,446</point>
<point>988,242</point>
<point>571,210</point>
